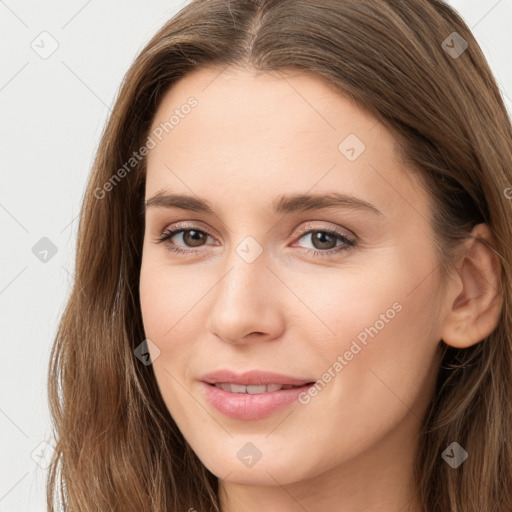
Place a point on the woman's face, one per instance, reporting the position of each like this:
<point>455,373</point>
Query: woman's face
<point>318,289</point>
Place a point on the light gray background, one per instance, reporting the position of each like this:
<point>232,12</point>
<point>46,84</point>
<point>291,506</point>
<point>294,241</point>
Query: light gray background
<point>53,112</point>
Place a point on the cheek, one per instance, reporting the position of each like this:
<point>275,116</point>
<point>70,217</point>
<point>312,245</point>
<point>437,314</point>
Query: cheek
<point>374,339</point>
<point>385,337</point>
<point>385,307</point>
<point>167,296</point>
<point>168,316</point>
<point>163,303</point>
<point>174,305</point>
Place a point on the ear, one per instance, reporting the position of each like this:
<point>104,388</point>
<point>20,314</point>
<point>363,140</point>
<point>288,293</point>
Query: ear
<point>475,299</point>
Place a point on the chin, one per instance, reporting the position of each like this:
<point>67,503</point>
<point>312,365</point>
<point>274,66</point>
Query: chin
<point>233,463</point>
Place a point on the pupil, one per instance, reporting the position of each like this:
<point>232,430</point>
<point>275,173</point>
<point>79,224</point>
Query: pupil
<point>197,238</point>
<point>320,236</point>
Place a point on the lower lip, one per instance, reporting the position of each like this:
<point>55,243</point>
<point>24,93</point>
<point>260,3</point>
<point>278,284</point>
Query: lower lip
<point>244,406</point>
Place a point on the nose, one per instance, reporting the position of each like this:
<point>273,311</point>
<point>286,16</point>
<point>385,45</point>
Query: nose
<point>247,303</point>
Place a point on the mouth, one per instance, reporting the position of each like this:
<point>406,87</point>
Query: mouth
<point>255,389</point>
<point>253,394</point>
<point>252,401</point>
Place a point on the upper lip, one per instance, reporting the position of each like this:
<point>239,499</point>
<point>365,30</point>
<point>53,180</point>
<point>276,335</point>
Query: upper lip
<point>252,378</point>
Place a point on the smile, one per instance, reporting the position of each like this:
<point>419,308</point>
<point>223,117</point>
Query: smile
<point>252,390</point>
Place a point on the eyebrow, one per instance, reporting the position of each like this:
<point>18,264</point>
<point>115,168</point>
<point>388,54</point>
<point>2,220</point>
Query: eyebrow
<point>282,204</point>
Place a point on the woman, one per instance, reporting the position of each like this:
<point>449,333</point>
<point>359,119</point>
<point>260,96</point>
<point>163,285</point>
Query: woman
<point>293,270</point>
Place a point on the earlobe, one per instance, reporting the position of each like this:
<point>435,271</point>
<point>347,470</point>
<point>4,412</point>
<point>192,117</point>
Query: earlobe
<point>474,312</point>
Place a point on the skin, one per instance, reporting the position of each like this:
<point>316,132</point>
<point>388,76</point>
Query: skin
<point>251,138</point>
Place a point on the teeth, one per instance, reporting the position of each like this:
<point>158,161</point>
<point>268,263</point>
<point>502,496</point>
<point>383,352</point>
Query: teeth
<point>252,390</point>
<point>237,388</point>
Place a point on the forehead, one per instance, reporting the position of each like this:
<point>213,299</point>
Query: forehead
<point>272,132</point>
<point>261,102</point>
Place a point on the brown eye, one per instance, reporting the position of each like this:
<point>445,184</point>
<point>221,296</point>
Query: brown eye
<point>190,238</point>
<point>323,240</point>
<point>193,237</point>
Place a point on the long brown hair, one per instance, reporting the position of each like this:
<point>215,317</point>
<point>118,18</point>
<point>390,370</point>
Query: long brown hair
<point>117,447</point>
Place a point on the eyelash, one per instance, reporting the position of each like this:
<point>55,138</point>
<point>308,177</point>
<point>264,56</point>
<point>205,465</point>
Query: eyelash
<point>349,242</point>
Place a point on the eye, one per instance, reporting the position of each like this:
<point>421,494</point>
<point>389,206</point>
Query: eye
<point>190,237</point>
<point>324,241</point>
